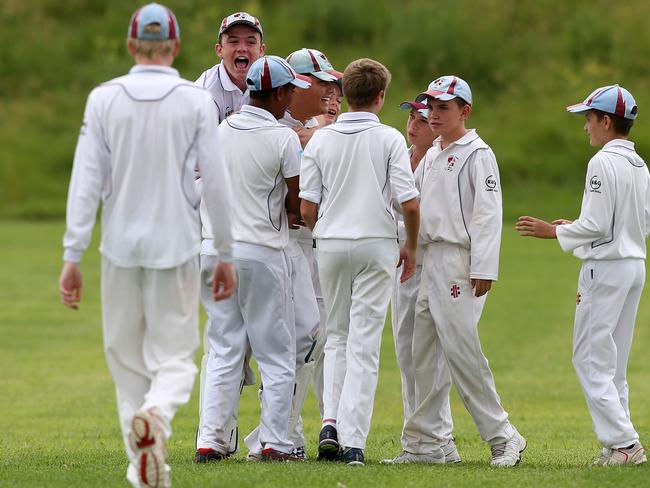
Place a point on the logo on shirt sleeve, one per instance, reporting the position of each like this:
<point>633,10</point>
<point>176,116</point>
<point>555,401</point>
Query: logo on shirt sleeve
<point>491,183</point>
<point>595,184</point>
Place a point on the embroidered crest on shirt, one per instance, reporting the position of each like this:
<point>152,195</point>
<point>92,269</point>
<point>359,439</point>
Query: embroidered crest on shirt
<point>451,161</point>
<point>595,184</point>
<point>455,291</point>
<point>229,111</point>
<point>491,183</point>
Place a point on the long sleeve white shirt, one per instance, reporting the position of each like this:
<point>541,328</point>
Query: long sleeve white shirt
<point>615,215</point>
<point>353,169</point>
<point>142,136</point>
<point>460,201</point>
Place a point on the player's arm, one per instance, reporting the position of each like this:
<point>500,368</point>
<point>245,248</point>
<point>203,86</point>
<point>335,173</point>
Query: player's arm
<point>290,157</point>
<point>311,184</point>
<point>89,172</point>
<point>408,253</point>
<point>485,225</point>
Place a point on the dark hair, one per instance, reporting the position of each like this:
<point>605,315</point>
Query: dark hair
<point>460,102</point>
<point>621,125</point>
<point>363,79</point>
<point>262,95</point>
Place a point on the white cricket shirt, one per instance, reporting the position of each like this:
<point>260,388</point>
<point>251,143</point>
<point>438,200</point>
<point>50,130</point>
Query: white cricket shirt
<point>141,138</point>
<point>615,215</point>
<point>353,168</point>
<point>260,154</point>
<point>460,201</point>
<point>227,96</point>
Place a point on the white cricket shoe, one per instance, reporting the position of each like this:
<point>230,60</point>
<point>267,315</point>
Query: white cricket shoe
<point>631,455</point>
<point>148,444</point>
<point>601,460</point>
<point>405,457</point>
<point>451,453</point>
<point>507,454</point>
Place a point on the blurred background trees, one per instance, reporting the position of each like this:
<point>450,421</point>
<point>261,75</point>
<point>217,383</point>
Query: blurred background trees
<point>525,61</point>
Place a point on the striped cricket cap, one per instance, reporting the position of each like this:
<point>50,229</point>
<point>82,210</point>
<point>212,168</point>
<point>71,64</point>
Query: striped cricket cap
<point>272,72</point>
<point>446,88</point>
<point>612,99</point>
<point>312,62</point>
<point>240,18</point>
<point>420,107</point>
<point>154,22</point>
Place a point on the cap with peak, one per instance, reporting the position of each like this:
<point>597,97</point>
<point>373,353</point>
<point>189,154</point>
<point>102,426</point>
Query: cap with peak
<point>240,18</point>
<point>312,62</point>
<point>273,72</point>
<point>446,88</point>
<point>611,99</point>
<point>154,22</point>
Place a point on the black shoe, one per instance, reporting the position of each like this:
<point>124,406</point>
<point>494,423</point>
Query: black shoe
<point>352,456</point>
<point>328,444</point>
<point>207,455</point>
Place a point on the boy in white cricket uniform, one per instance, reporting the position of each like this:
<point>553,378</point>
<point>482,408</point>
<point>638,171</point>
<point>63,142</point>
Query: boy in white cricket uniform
<point>308,302</point>
<point>609,237</point>
<point>240,43</point>
<point>263,157</point>
<point>350,172</point>
<point>420,136</point>
<point>461,234</point>
<point>150,239</point>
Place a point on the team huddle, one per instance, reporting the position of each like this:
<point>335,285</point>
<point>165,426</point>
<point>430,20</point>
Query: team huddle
<point>297,226</point>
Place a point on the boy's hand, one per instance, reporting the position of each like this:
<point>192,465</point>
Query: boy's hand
<point>225,281</point>
<point>534,227</point>
<point>70,285</point>
<point>480,287</point>
<point>407,256</point>
<point>304,134</point>
<point>295,221</point>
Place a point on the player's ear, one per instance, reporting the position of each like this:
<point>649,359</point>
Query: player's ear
<point>218,49</point>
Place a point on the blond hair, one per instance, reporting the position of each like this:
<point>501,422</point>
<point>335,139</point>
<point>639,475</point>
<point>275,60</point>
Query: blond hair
<point>363,79</point>
<point>153,49</point>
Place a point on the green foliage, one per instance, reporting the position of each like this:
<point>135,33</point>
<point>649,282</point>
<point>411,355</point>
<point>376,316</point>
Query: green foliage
<point>59,423</point>
<point>525,62</point>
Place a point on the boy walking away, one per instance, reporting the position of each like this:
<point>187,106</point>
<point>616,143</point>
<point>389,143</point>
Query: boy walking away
<point>350,173</point>
<point>609,237</point>
<point>264,158</point>
<point>461,234</point>
<point>150,239</point>
<point>239,45</point>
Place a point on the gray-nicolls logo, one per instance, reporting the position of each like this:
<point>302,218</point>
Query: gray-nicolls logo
<point>595,184</point>
<point>491,183</point>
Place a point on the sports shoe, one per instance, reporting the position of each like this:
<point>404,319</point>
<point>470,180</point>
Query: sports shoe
<point>270,454</point>
<point>300,452</point>
<point>328,444</point>
<point>631,455</point>
<point>148,444</point>
<point>451,453</point>
<point>405,457</point>
<point>207,455</point>
<point>601,460</point>
<point>254,456</point>
<point>507,454</point>
<point>352,456</point>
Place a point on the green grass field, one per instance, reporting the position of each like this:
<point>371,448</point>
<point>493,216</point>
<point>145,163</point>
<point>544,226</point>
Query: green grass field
<point>58,422</point>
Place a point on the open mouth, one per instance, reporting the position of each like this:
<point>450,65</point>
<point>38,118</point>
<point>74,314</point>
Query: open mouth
<point>241,62</point>
<point>331,112</point>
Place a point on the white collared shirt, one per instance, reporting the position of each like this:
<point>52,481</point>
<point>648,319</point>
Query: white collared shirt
<point>460,201</point>
<point>142,136</point>
<point>352,169</point>
<point>260,153</point>
<point>615,215</point>
<point>227,96</point>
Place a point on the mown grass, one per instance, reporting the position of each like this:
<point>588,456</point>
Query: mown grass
<point>59,424</point>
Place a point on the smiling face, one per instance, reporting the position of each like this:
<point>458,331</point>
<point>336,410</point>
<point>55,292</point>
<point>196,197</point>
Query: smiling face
<point>239,47</point>
<point>314,100</point>
<point>334,107</point>
<point>447,118</point>
<point>418,132</point>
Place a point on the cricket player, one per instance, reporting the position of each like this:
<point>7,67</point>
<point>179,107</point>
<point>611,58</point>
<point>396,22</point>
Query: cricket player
<point>263,157</point>
<point>239,45</point>
<point>461,234</point>
<point>609,237</point>
<point>142,136</point>
<point>350,173</point>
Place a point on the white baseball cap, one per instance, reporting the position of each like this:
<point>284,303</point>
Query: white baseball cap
<point>240,18</point>
<point>312,62</point>
<point>446,88</point>
<point>611,99</point>
<point>154,13</point>
<point>421,108</point>
<point>272,72</point>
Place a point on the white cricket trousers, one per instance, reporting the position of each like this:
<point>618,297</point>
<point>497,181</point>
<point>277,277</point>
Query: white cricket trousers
<point>259,314</point>
<point>608,299</point>
<point>151,331</point>
<point>446,328</point>
<point>357,280</point>
<point>403,321</point>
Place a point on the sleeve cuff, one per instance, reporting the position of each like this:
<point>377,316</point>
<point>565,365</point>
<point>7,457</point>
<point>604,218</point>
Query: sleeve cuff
<point>564,242</point>
<point>225,257</point>
<point>72,255</point>
<point>312,197</point>
<point>409,195</point>
<point>483,276</point>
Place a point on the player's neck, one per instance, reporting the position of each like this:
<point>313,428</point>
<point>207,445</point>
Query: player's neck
<point>417,153</point>
<point>452,136</point>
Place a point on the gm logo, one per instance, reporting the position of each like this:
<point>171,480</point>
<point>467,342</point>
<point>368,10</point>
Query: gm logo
<point>491,182</point>
<point>595,183</point>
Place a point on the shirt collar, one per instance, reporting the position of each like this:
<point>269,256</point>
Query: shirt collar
<point>358,117</point>
<point>620,143</point>
<point>154,68</point>
<point>226,82</point>
<point>466,139</point>
<point>258,112</point>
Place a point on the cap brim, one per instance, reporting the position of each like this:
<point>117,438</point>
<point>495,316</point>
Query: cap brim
<point>301,81</point>
<point>438,95</point>
<point>413,105</point>
<point>242,22</point>
<point>337,74</point>
<point>578,108</point>
<point>324,75</point>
